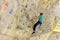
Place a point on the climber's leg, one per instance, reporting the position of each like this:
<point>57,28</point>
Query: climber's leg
<point>35,25</point>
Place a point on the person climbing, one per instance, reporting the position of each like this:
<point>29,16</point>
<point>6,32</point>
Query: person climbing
<point>40,20</point>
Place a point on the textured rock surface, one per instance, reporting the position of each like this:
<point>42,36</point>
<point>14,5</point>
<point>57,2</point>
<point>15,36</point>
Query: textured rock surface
<point>17,18</point>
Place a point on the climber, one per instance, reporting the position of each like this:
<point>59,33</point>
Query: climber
<point>41,17</point>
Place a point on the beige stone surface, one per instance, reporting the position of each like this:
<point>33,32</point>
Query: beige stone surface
<point>17,18</point>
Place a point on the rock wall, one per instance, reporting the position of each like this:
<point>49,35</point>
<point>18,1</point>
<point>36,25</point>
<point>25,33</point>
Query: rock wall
<point>17,17</point>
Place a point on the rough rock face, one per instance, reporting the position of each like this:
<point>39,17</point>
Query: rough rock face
<point>17,18</point>
<point>54,33</point>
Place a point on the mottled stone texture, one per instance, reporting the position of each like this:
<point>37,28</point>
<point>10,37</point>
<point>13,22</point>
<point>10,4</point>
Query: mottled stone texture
<point>17,18</point>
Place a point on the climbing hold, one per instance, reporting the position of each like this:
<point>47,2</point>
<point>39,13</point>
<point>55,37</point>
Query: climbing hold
<point>10,12</point>
<point>32,4</point>
<point>21,10</point>
<point>27,17</point>
<point>26,6</point>
<point>18,2</point>
<point>29,26</point>
<point>15,38</point>
<point>5,5</point>
<point>23,23</point>
<point>18,27</point>
<point>9,27</point>
<point>36,17</point>
<point>27,0</point>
